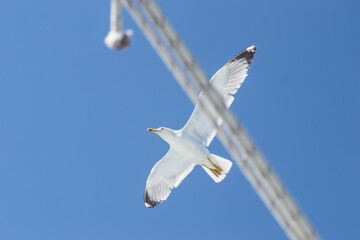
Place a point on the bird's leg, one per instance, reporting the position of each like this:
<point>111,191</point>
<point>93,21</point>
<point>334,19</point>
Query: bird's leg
<point>216,170</point>
<point>219,169</point>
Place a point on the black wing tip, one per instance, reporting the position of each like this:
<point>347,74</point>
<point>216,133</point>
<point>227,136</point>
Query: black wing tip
<point>247,54</point>
<point>148,202</point>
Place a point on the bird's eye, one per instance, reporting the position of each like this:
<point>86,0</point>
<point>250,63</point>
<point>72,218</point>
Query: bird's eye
<point>161,129</point>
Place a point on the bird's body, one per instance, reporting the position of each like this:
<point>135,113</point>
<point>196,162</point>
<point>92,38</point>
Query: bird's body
<point>192,149</point>
<point>188,146</point>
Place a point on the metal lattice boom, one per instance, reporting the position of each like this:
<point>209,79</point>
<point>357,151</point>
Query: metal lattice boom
<point>192,78</point>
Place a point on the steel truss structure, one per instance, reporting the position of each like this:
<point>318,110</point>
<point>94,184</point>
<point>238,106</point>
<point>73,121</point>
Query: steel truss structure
<point>192,79</point>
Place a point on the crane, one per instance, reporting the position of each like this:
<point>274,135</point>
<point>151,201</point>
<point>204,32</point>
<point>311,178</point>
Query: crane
<point>179,60</point>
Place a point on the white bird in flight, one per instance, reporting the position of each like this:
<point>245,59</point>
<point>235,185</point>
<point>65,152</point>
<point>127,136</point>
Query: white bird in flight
<point>188,146</point>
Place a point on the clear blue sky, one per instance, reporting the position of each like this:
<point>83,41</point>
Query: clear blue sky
<point>75,153</point>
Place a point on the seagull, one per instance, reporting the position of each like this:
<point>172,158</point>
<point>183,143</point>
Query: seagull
<point>188,146</point>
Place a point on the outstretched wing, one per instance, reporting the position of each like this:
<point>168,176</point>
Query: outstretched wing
<point>164,176</point>
<point>226,81</point>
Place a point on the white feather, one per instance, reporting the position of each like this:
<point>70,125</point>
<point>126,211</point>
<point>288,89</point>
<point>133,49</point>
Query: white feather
<point>166,175</point>
<point>226,81</point>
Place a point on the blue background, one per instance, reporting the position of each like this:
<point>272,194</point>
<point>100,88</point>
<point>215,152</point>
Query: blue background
<point>75,153</point>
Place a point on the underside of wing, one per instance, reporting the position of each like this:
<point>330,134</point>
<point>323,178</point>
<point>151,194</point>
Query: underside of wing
<point>164,176</point>
<point>226,81</point>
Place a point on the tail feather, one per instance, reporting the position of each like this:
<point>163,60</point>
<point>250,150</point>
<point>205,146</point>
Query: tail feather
<point>221,168</point>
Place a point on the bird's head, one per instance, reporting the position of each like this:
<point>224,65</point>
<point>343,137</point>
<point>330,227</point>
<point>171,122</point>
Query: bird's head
<point>164,133</point>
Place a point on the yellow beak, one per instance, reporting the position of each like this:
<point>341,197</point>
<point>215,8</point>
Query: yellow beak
<point>152,130</point>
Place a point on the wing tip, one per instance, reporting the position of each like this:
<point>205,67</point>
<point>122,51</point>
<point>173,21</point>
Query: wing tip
<point>148,202</point>
<point>247,54</point>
